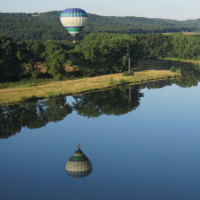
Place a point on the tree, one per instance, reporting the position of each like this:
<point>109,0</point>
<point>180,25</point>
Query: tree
<point>22,55</point>
<point>35,50</point>
<point>55,59</point>
<point>104,53</point>
<point>8,58</point>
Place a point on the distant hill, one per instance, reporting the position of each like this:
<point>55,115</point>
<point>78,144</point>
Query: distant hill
<point>47,26</point>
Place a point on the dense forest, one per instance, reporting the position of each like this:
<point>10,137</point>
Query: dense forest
<point>97,53</point>
<point>47,26</point>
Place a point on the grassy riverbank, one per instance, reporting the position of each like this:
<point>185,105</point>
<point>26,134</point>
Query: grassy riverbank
<point>48,90</point>
<point>180,60</point>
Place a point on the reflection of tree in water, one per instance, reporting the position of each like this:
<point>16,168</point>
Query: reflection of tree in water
<point>32,115</point>
<point>157,84</point>
<point>113,101</point>
<point>190,77</point>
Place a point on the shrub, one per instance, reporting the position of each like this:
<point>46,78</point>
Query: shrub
<point>53,94</point>
<point>122,82</point>
<point>32,98</point>
<point>28,98</point>
<point>23,99</point>
<point>197,65</point>
<point>111,81</point>
<point>172,69</point>
<point>36,74</point>
<point>178,71</point>
<point>59,77</point>
<point>126,73</point>
<point>90,74</point>
<point>166,77</point>
<point>6,84</point>
<point>27,66</point>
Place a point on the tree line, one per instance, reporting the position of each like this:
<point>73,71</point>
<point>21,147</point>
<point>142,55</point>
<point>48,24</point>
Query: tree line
<point>25,57</point>
<point>108,53</point>
<point>47,26</point>
<point>97,53</point>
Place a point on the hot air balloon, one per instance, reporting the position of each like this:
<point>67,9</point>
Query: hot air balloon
<point>78,165</point>
<point>74,20</point>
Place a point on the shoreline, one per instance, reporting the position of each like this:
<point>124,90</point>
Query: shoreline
<point>78,86</point>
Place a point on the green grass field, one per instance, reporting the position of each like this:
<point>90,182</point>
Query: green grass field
<point>56,88</point>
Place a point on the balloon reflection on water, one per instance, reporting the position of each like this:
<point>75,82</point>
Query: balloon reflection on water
<point>78,165</point>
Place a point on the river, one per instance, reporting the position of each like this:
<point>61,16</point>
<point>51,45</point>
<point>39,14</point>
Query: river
<point>142,142</point>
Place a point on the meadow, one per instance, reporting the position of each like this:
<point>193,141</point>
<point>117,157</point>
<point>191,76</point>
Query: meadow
<point>76,86</point>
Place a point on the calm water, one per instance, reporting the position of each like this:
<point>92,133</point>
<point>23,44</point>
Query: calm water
<point>143,144</point>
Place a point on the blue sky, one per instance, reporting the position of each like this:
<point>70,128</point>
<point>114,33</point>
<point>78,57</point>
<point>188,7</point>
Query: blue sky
<point>170,9</point>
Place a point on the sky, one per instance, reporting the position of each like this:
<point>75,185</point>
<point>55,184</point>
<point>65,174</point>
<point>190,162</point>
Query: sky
<point>170,9</point>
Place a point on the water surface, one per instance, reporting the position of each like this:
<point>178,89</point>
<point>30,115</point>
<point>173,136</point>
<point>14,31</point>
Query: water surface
<point>143,143</point>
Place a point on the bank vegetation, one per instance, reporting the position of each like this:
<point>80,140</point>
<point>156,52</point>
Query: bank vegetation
<point>98,61</point>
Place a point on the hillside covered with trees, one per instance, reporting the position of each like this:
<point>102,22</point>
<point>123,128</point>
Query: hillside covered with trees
<point>47,26</point>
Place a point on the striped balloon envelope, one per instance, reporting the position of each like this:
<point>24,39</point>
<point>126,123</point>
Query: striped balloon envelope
<point>78,165</point>
<point>74,20</point>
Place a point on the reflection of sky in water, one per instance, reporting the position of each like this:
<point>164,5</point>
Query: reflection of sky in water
<point>127,153</point>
